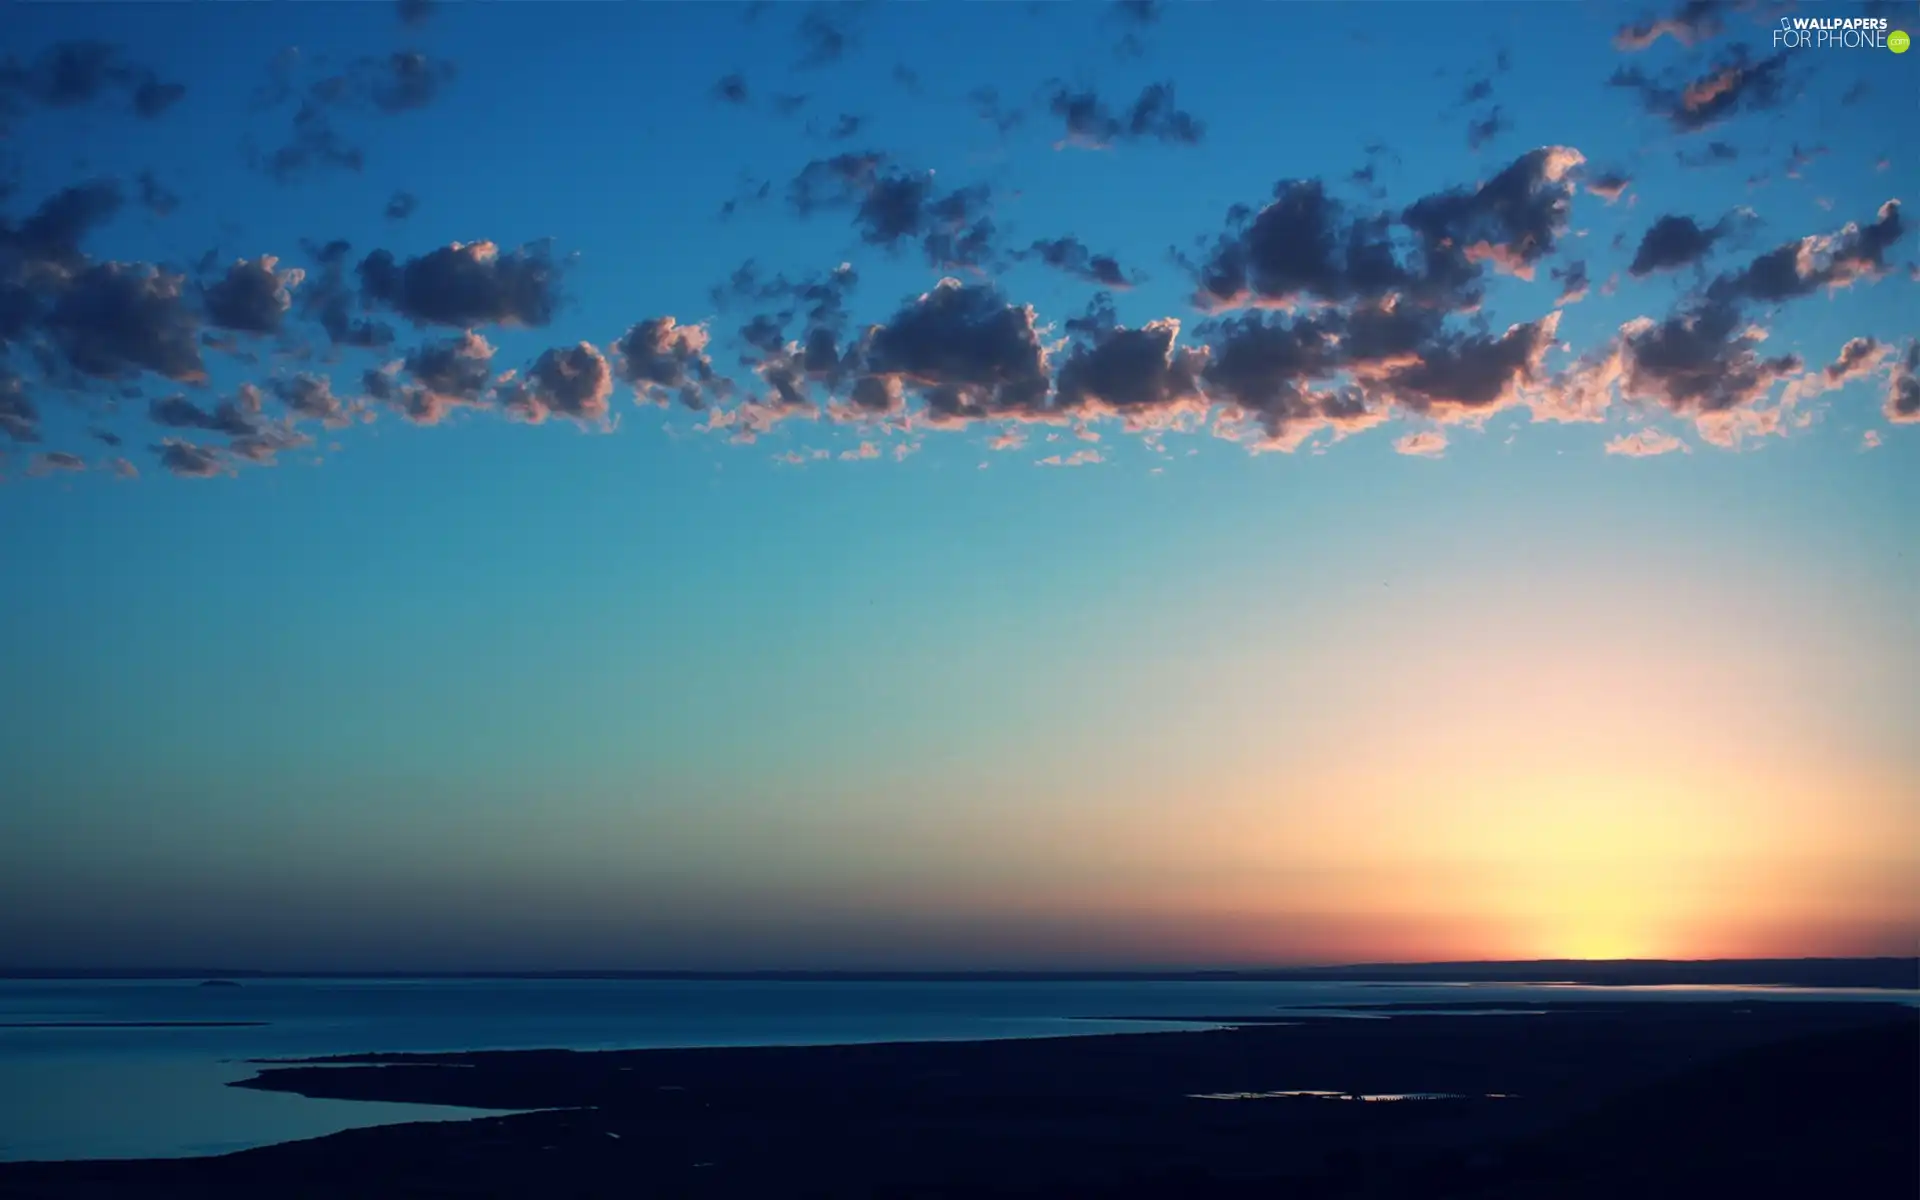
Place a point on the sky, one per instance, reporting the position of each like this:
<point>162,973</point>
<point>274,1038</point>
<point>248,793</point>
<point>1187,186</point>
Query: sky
<point>552,485</point>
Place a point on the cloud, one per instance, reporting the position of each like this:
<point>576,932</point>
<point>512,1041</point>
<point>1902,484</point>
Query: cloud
<point>966,352</point>
<point>189,461</point>
<point>1903,391</point>
<point>465,284</point>
<point>863,452</point>
<point>401,205</point>
<point>154,197</point>
<point>329,299</point>
<point>233,417</point>
<point>19,418</point>
<point>1693,22</point>
<point>1870,440</point>
<point>115,320</point>
<point>891,207</point>
<point>1140,375</point>
<point>1070,255</point>
<point>404,80</point>
<point>1428,443</point>
<point>1079,458</point>
<point>1702,360</point>
<point>72,74</point>
<point>52,462</point>
<point>1673,242</point>
<point>311,398</point>
<point>444,375</point>
<point>253,296</point>
<point>314,143</point>
<point>732,89</point>
<point>661,358</point>
<point>1734,84</point>
<point>122,469</point>
<point>571,382</point>
<point>1512,221</point>
<point>1646,443</point>
<point>825,35</point>
<point>413,12</point>
<point>1485,129</point>
<point>1305,246</point>
<point>1609,185</point>
<point>1153,116</point>
<point>1805,265</point>
<point>1465,376</point>
<point>1573,283</point>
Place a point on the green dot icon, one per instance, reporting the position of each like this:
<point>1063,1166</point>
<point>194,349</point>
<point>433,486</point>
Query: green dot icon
<point>1898,41</point>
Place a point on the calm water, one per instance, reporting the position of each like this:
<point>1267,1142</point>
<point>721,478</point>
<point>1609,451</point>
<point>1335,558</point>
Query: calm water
<point>122,1092</point>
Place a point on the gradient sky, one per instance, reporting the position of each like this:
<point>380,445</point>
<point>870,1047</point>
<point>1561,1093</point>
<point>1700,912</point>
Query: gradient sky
<point>1508,554</point>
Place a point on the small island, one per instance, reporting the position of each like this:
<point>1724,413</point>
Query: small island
<point>220,983</point>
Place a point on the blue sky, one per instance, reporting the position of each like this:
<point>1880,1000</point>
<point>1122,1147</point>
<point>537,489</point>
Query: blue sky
<point>1319,634</point>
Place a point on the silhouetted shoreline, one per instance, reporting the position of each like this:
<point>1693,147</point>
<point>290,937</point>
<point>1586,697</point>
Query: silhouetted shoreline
<point>1754,1098</point>
<point>1880,973</point>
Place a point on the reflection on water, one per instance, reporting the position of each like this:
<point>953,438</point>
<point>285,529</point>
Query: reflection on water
<point>166,1108</point>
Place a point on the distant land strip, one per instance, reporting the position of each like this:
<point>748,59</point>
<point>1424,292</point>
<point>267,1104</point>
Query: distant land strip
<point>127,1024</point>
<point>1884,973</point>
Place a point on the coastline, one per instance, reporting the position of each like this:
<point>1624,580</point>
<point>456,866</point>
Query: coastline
<point>1089,1112</point>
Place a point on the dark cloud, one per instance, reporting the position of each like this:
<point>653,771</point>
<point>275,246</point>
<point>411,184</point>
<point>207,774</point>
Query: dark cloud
<point>253,296</point>
<point>404,80</point>
<point>1511,221</point>
<point>1695,21</point>
<point>115,320</point>
<point>1673,242</point>
<point>891,207</point>
<point>155,197</point>
<point>1734,84</point>
<point>1072,256</point>
<point>56,462</point>
<point>573,382</point>
<point>989,108</point>
<point>965,351</point>
<point>1476,91</point>
<point>1805,265</point>
<point>1306,246</point>
<point>235,418</point>
<point>401,205</point>
<point>445,375</point>
<point>19,418</point>
<point>1153,116</point>
<point>1485,129</point>
<point>1903,391</point>
<point>329,299</point>
<point>1140,375</point>
<point>1702,360</point>
<point>413,12</point>
<point>190,461</point>
<point>314,143</point>
<point>1573,282</point>
<point>311,398</point>
<point>661,358</point>
<point>105,437</point>
<point>1464,374</point>
<point>465,284</point>
<point>822,297</point>
<point>845,126</point>
<point>1134,17</point>
<point>825,34</point>
<point>732,89</point>
<point>71,74</point>
<point>1716,152</point>
<point>1266,372</point>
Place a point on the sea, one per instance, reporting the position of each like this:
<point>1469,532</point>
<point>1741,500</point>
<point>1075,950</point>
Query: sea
<point>139,1068</point>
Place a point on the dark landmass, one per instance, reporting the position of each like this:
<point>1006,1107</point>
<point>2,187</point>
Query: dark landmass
<point>1753,1100</point>
<point>127,1024</point>
<point>1901,973</point>
<point>220,983</point>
